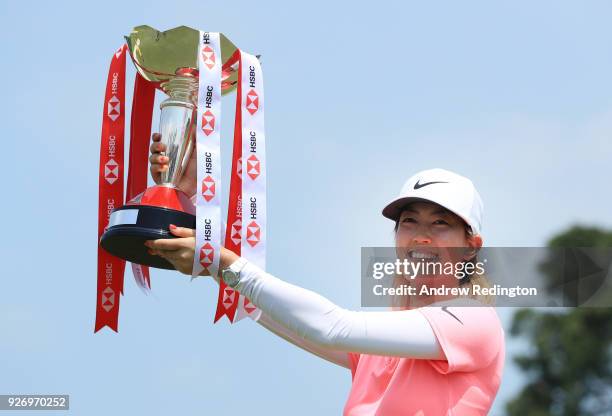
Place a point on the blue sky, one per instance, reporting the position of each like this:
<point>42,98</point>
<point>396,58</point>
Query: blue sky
<point>359,96</point>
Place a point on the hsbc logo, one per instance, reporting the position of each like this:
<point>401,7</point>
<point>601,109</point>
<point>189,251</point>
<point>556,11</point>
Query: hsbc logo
<point>209,96</point>
<point>235,232</point>
<point>111,171</point>
<point>207,229</point>
<point>208,188</point>
<point>239,167</point>
<point>239,207</point>
<point>229,295</point>
<point>252,102</point>
<point>253,167</point>
<point>253,234</point>
<point>249,307</point>
<point>252,76</point>
<point>208,162</point>
<point>208,122</point>
<point>108,299</point>
<point>253,206</point>
<point>253,143</point>
<point>207,254</point>
<point>208,56</point>
<point>113,108</point>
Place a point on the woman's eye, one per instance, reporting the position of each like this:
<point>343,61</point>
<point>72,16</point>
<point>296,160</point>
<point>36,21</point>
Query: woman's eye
<point>441,222</point>
<point>408,219</point>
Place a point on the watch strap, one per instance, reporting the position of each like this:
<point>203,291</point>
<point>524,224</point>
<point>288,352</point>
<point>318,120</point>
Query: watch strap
<point>238,265</point>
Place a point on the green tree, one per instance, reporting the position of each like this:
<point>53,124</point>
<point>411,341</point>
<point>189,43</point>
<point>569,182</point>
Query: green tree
<point>569,365</point>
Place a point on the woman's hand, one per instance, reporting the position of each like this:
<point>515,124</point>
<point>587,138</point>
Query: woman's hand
<point>159,164</point>
<point>180,251</point>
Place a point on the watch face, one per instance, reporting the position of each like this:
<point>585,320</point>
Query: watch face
<point>230,277</point>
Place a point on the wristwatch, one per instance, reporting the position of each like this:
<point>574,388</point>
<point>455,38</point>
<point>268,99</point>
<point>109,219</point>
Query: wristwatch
<point>231,274</point>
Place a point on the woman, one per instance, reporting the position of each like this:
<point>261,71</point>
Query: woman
<point>418,358</point>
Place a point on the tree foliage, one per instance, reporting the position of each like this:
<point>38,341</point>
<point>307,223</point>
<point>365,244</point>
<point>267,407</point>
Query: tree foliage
<point>569,363</point>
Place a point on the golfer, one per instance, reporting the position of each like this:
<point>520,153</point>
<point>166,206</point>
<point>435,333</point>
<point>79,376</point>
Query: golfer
<point>425,356</point>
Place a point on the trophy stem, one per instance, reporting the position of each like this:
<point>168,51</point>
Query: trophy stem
<point>177,124</point>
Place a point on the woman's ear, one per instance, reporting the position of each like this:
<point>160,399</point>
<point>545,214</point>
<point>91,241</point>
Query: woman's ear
<point>475,241</point>
<point>474,245</point>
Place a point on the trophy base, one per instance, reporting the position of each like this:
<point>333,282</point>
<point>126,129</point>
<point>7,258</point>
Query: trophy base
<point>131,225</point>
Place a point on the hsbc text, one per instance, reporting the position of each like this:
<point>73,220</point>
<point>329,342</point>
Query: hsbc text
<point>207,230</point>
<point>108,269</point>
<point>252,76</point>
<point>209,92</point>
<point>112,146</point>
<point>114,83</point>
<point>253,208</point>
<point>208,156</point>
<point>110,205</point>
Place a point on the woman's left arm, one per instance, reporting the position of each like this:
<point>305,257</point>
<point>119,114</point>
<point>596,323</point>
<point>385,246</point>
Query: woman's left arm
<point>318,320</point>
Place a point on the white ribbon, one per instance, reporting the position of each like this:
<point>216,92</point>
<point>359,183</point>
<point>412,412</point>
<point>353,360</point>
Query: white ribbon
<point>208,195</point>
<point>253,245</point>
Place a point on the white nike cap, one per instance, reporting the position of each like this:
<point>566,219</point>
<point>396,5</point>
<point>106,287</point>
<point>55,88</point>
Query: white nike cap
<point>448,189</point>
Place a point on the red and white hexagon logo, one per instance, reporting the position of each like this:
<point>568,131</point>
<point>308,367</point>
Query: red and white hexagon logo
<point>108,299</point>
<point>239,167</point>
<point>253,167</point>
<point>235,232</point>
<point>252,102</point>
<point>253,234</point>
<point>208,122</point>
<point>111,171</point>
<point>207,254</point>
<point>208,188</point>
<point>208,55</point>
<point>113,108</point>
<point>229,296</point>
<point>249,307</point>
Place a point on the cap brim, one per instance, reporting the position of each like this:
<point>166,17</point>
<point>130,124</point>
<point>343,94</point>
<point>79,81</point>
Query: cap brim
<point>395,208</point>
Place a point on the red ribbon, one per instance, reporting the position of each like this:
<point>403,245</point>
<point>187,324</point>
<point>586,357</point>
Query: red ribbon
<point>227,300</point>
<point>140,131</point>
<point>110,268</point>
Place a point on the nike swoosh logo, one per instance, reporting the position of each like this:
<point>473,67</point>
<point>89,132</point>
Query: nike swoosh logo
<point>445,309</point>
<point>420,185</point>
